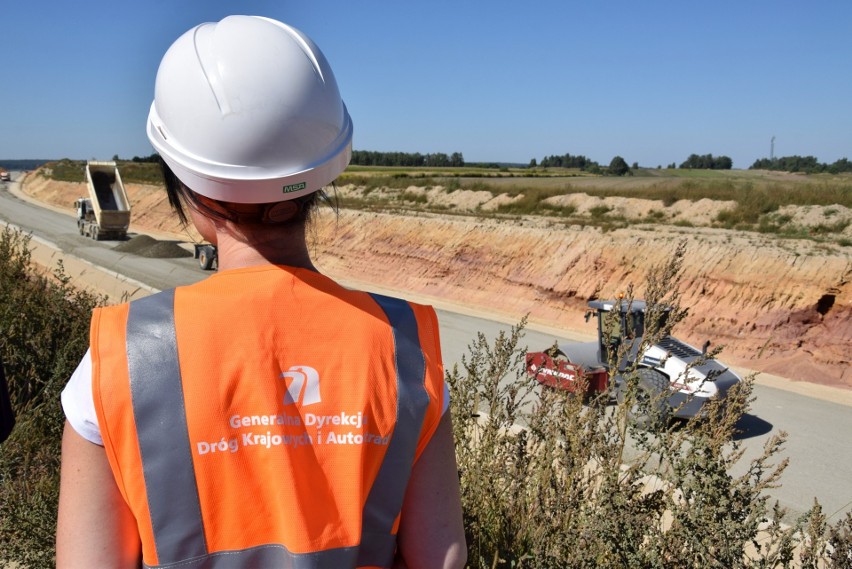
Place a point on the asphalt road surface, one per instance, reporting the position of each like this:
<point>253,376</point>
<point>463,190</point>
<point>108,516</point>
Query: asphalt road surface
<point>819,429</point>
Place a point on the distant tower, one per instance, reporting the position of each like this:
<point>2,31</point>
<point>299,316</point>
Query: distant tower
<point>772,148</point>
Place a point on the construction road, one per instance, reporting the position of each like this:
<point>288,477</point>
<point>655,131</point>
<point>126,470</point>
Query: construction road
<point>818,420</point>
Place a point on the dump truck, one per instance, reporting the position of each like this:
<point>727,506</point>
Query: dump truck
<point>673,378</point>
<point>105,214</point>
<point>5,176</point>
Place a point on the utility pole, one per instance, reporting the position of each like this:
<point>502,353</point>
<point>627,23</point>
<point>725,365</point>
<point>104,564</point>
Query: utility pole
<point>772,149</point>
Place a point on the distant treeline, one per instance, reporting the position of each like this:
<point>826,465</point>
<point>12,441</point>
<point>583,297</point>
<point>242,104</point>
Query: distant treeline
<point>141,159</point>
<point>567,161</point>
<point>370,158</point>
<point>807,164</point>
<point>24,164</point>
<point>618,165</point>
<point>707,161</point>
<point>416,159</point>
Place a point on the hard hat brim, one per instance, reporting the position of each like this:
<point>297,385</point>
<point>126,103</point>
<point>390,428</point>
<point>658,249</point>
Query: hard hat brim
<point>218,181</point>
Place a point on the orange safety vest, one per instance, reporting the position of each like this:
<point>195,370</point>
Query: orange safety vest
<point>266,417</point>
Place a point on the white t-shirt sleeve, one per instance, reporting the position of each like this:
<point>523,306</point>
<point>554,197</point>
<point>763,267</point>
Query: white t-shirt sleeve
<point>78,403</point>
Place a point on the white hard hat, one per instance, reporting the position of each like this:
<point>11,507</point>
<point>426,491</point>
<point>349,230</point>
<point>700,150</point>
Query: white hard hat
<point>247,110</point>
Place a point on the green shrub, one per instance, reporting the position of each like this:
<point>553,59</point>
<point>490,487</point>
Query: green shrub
<point>44,325</point>
<point>451,185</point>
<point>413,197</point>
<point>531,201</point>
<point>560,210</point>
<point>599,211</point>
<point>669,198</point>
<point>548,481</point>
<point>829,228</point>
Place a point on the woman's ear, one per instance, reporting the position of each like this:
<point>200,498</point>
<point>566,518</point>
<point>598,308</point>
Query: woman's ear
<point>206,226</point>
<point>280,212</point>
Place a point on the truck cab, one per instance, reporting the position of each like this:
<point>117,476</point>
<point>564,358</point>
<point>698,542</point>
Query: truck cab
<point>85,216</point>
<point>84,209</point>
<point>619,322</point>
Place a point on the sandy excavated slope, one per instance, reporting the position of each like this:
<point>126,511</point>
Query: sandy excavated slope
<point>779,306</point>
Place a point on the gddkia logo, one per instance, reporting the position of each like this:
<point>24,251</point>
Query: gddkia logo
<point>304,382</point>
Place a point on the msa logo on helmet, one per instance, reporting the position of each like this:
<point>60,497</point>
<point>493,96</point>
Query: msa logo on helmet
<point>304,382</point>
<point>295,187</point>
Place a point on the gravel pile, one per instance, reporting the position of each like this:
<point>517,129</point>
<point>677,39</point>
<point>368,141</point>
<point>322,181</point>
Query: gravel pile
<point>147,246</point>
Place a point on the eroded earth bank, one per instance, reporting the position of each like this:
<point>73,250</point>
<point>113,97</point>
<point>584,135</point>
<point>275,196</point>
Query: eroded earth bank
<point>780,306</point>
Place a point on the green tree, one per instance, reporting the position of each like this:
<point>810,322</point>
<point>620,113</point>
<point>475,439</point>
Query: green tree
<point>618,167</point>
<point>707,161</point>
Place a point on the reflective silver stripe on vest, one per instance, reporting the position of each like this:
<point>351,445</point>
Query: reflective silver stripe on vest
<point>160,416</point>
<point>158,411</point>
<point>264,556</point>
<point>386,495</point>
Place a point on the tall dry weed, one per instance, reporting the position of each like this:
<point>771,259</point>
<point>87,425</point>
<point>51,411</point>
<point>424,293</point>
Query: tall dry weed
<point>549,480</point>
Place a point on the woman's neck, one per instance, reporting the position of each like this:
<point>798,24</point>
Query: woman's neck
<point>268,246</point>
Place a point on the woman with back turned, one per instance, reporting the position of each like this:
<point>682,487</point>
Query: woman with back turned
<point>266,416</point>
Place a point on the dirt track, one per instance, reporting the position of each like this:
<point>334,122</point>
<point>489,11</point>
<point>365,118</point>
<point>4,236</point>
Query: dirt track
<point>779,306</point>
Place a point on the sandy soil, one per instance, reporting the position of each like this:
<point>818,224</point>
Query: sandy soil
<point>779,306</point>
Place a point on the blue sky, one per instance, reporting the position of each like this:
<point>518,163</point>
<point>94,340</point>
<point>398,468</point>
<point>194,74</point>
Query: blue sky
<point>499,81</point>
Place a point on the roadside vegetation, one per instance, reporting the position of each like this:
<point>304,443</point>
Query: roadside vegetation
<point>551,480</point>
<point>44,324</point>
<point>547,480</point>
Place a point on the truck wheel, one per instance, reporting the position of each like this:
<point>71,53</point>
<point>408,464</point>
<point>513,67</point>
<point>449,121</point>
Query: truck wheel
<point>204,260</point>
<point>95,232</point>
<point>80,228</point>
<point>650,407</point>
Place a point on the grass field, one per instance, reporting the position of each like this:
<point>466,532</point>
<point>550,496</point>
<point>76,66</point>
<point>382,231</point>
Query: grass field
<point>666,184</point>
<point>757,193</point>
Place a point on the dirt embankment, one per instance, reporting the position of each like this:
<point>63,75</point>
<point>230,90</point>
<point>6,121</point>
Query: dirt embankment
<point>779,306</point>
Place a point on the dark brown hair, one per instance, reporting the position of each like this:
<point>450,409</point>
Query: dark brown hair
<point>180,196</point>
